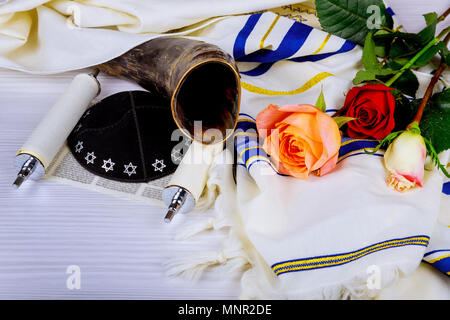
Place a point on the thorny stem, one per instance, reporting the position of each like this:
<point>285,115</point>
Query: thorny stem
<point>429,91</point>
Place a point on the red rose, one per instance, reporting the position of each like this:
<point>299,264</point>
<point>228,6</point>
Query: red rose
<point>373,107</point>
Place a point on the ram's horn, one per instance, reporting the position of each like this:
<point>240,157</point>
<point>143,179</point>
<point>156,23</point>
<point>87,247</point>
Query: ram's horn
<point>199,81</point>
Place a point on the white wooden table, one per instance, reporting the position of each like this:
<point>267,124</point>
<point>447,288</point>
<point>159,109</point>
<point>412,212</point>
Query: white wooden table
<point>118,244</point>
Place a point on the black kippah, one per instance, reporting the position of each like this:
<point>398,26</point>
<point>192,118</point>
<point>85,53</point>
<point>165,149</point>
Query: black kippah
<point>127,137</point>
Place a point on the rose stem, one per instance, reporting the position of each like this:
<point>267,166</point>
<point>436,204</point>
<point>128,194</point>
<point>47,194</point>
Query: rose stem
<point>411,62</point>
<point>429,91</point>
<point>417,56</point>
<point>444,15</point>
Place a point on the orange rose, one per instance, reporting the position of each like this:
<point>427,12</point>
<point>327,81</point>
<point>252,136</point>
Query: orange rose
<point>300,139</point>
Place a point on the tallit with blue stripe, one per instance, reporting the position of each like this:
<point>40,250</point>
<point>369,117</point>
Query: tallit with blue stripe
<point>323,234</point>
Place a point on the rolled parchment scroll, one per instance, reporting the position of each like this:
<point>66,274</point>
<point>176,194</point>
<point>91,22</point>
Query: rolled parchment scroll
<point>38,151</point>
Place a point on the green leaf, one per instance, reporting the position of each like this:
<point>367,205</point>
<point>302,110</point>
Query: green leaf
<point>349,19</point>
<point>405,111</point>
<point>402,44</point>
<point>428,55</point>
<point>386,35</point>
<point>430,18</point>
<point>403,48</point>
<point>371,64</point>
<point>386,141</point>
<point>435,123</point>
<point>442,100</point>
<point>385,71</point>
<point>424,58</point>
<point>381,45</point>
<point>445,54</point>
<point>340,121</point>
<point>369,59</point>
<point>380,51</point>
<point>364,75</point>
<point>434,156</point>
<point>427,33</point>
<point>320,103</point>
<point>407,83</point>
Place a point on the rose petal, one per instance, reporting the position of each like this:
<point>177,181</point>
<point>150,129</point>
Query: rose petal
<point>303,108</point>
<point>314,142</point>
<point>330,136</point>
<point>266,119</point>
<point>351,96</point>
<point>329,165</point>
<point>306,123</point>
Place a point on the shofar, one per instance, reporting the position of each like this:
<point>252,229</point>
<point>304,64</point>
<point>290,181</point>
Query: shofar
<point>199,81</point>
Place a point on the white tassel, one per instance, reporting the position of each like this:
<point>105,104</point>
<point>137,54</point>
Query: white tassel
<point>191,268</point>
<point>207,197</point>
<point>237,264</point>
<point>195,228</point>
<point>215,176</point>
<point>204,225</point>
<point>232,255</point>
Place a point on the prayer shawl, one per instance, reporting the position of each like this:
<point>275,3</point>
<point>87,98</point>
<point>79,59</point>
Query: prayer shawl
<point>344,235</point>
<point>327,237</point>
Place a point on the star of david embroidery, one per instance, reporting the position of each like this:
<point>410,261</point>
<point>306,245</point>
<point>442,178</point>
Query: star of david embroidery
<point>127,169</point>
<point>108,165</point>
<point>90,157</point>
<point>159,165</point>
<point>79,146</point>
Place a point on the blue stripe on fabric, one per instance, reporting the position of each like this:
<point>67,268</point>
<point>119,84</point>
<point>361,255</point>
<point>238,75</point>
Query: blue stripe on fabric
<point>239,144</point>
<point>253,152</point>
<point>247,115</point>
<point>360,153</point>
<point>434,251</point>
<point>259,70</point>
<point>351,252</point>
<point>264,67</point>
<point>347,46</point>
<point>241,39</point>
<point>338,262</point>
<point>291,43</point>
<point>446,188</point>
<point>402,244</point>
<point>357,145</point>
<point>389,11</point>
<point>442,265</point>
<point>246,125</point>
